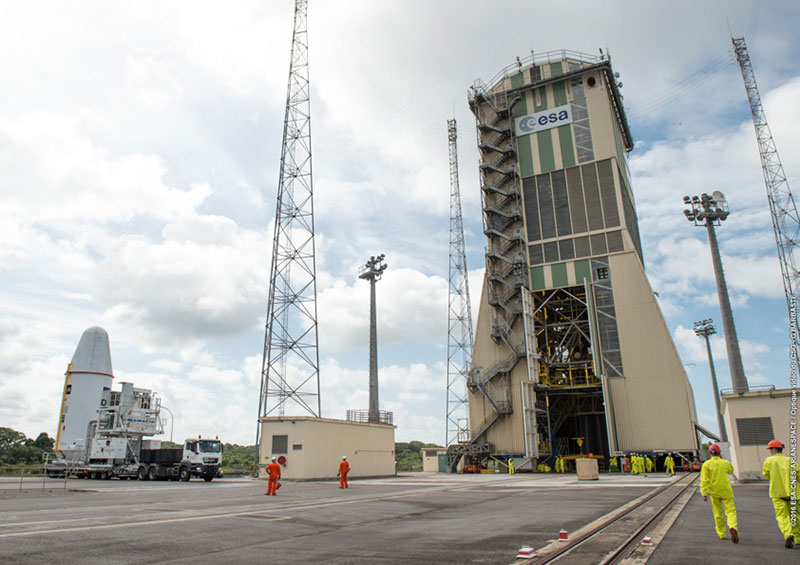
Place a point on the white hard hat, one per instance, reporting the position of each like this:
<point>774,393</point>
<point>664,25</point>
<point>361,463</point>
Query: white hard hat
<point>274,458</point>
<point>344,456</point>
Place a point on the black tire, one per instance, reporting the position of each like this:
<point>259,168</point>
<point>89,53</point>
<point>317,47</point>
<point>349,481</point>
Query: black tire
<point>208,477</point>
<point>184,474</point>
<point>152,473</point>
<point>94,475</point>
<point>141,474</point>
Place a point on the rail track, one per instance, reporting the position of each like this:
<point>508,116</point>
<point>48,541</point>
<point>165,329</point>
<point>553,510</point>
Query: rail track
<point>614,538</point>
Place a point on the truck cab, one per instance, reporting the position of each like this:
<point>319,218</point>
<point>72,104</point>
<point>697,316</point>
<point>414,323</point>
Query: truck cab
<point>204,456</point>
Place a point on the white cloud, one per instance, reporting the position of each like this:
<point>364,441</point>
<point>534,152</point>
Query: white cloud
<point>410,306</point>
<point>55,174</point>
<point>206,278</point>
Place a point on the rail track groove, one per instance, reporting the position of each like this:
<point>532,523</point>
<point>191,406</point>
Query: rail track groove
<point>611,540</point>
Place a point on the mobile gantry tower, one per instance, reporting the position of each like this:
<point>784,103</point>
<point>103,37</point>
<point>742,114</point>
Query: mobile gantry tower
<point>572,354</point>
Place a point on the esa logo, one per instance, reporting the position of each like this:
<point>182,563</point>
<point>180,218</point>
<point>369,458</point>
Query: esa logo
<point>546,119</point>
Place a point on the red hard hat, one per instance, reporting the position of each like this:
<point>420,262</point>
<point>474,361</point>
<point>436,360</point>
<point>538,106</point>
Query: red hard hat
<point>714,449</point>
<point>774,443</point>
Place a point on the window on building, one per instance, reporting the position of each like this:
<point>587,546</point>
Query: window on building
<point>280,444</point>
<point>297,447</point>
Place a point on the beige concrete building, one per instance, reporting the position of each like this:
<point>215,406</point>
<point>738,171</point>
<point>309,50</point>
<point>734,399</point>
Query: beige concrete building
<point>312,448</point>
<point>430,459</point>
<point>752,419</point>
<point>572,354</point>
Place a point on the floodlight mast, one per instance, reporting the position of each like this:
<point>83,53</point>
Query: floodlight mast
<point>705,329</point>
<point>709,211</point>
<point>373,271</point>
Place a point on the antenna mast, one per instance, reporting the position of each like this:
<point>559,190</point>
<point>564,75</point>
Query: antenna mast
<point>785,220</point>
<point>290,367</point>
<point>459,326</point>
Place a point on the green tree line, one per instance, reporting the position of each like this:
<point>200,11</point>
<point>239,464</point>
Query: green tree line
<point>409,455</point>
<point>16,449</point>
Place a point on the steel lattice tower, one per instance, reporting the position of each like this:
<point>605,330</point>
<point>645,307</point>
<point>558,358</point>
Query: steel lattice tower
<point>785,219</point>
<point>459,326</point>
<point>290,367</point>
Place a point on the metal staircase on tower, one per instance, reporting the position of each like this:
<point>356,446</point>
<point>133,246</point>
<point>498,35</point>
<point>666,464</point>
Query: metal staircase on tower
<point>506,265</point>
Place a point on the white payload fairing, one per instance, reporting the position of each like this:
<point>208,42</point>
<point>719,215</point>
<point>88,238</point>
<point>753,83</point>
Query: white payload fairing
<point>88,375</point>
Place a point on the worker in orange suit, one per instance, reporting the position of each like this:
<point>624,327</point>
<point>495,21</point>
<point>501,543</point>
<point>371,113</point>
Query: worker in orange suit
<point>274,471</point>
<point>344,467</point>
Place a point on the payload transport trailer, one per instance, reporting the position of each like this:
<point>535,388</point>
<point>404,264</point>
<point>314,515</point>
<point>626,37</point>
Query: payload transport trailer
<point>114,444</point>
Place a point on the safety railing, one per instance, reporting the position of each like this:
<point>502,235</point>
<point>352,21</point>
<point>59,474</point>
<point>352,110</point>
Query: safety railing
<point>29,478</point>
<point>483,87</point>
<point>384,417</point>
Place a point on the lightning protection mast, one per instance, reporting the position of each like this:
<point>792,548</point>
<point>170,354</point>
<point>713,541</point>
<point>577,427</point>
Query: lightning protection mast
<point>785,220</point>
<point>459,324</point>
<point>290,367</point>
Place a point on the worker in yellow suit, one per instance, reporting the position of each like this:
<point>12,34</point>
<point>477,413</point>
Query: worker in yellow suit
<point>612,465</point>
<point>561,465</point>
<point>648,464</point>
<point>510,466</point>
<point>669,465</point>
<point>778,469</point>
<point>714,482</point>
<point>635,463</point>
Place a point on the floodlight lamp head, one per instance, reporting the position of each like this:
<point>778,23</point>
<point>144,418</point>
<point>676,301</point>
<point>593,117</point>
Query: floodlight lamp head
<point>689,215</point>
<point>687,200</point>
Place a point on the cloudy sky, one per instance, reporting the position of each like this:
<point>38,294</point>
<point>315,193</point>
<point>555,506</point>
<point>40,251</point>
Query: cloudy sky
<point>139,154</point>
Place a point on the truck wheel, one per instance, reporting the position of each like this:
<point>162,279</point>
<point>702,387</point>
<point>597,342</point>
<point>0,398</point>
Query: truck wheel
<point>141,474</point>
<point>152,473</point>
<point>94,475</point>
<point>184,474</point>
<point>208,477</point>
